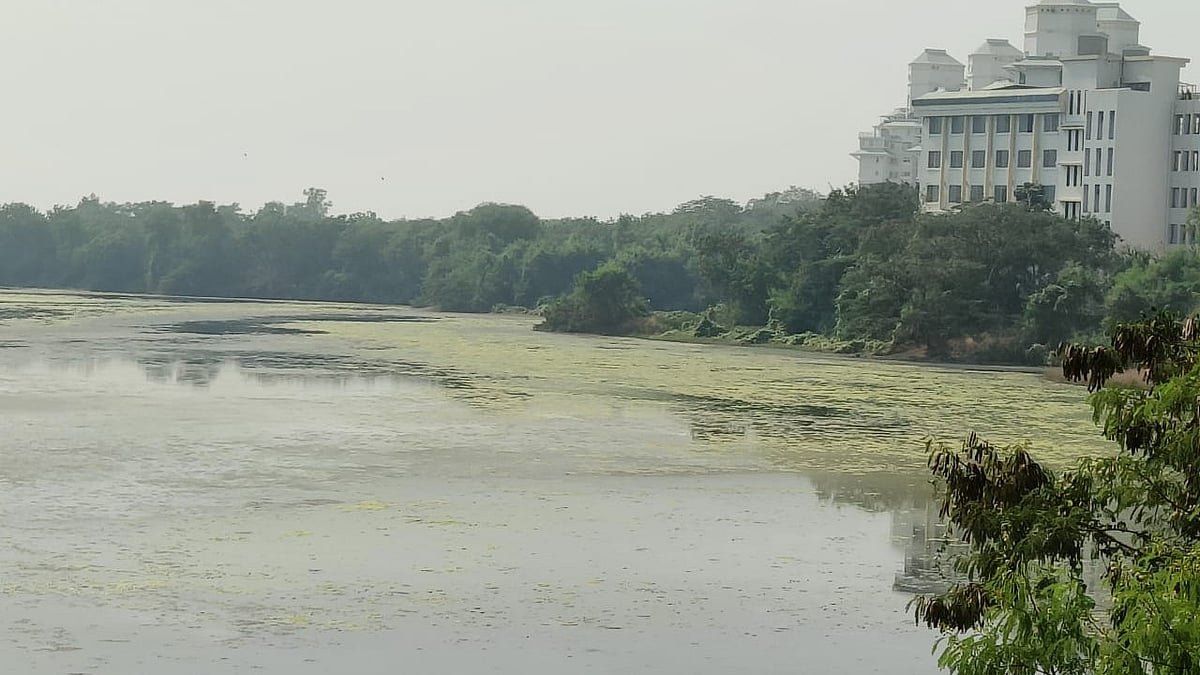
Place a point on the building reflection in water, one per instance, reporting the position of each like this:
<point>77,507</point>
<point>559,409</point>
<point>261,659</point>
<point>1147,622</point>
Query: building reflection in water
<point>929,551</point>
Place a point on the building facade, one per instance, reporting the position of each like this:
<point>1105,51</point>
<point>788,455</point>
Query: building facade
<point>1087,115</point>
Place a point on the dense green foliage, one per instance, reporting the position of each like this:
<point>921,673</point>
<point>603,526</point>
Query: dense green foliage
<point>1026,606</point>
<point>990,270</point>
<point>861,265</point>
<point>605,300</point>
<point>1170,282</point>
<point>492,255</point>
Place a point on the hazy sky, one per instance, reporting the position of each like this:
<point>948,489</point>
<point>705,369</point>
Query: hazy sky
<point>572,107</point>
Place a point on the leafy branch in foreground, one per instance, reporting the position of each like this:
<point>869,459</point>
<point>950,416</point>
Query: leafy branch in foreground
<point>1024,605</point>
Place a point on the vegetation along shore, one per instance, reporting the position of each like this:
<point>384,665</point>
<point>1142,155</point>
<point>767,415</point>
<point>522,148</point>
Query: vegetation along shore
<point>857,271</point>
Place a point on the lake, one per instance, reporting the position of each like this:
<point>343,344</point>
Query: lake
<point>287,488</point>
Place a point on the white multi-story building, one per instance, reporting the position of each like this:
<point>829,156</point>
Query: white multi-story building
<point>890,153</point>
<point>1085,111</point>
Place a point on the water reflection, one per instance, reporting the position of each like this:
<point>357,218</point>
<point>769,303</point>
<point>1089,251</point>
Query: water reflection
<point>203,372</point>
<point>718,429</point>
<point>196,372</point>
<point>275,324</point>
<point>929,551</point>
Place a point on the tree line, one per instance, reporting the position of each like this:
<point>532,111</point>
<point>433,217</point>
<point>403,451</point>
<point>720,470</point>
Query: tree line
<point>989,282</point>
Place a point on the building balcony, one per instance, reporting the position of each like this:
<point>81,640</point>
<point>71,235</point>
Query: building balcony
<point>872,142</point>
<point>1189,92</point>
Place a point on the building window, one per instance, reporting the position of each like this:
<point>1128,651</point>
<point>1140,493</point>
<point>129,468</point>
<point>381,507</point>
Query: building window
<point>1074,173</point>
<point>956,124</point>
<point>1048,191</point>
<point>1177,161</point>
<point>1100,125</point>
<point>1195,194</point>
<point>1111,152</point>
<point>1179,125</point>
<point>1196,124</point>
<point>1087,163</point>
<point>935,126</point>
<point>976,193</point>
<point>1112,125</point>
<point>1173,234</point>
<point>1196,160</point>
<point>955,196</point>
<point>1085,199</point>
<point>1025,124</point>
<point>932,193</point>
<point>956,159</point>
<point>1108,198</point>
<point>978,125</point>
<point>1001,194</point>
<point>1075,140</point>
<point>935,159</point>
<point>1003,124</point>
<point>978,159</point>
<point>1187,125</point>
<point>1049,159</point>
<point>1050,122</point>
<point>1001,159</point>
<point>1175,198</point>
<point>1089,126</point>
<point>1098,159</point>
<point>1096,197</point>
<point>1024,159</point>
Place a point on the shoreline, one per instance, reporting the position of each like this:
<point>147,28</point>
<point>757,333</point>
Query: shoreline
<point>892,358</point>
<point>1046,371</point>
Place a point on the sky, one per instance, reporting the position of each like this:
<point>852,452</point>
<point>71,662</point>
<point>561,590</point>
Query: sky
<point>424,108</point>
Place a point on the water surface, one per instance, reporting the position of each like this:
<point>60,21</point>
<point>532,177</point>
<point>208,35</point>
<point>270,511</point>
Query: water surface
<point>197,487</point>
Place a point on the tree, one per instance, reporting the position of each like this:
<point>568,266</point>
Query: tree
<point>316,202</point>
<point>1169,282</point>
<point>709,210</point>
<point>1033,197</point>
<point>604,301</point>
<point>733,264</point>
<point>27,246</point>
<point>973,273</point>
<point>1071,305</point>
<point>1025,606</point>
<point>502,224</point>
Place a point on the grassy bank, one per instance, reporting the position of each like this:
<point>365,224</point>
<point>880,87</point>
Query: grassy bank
<point>691,328</point>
